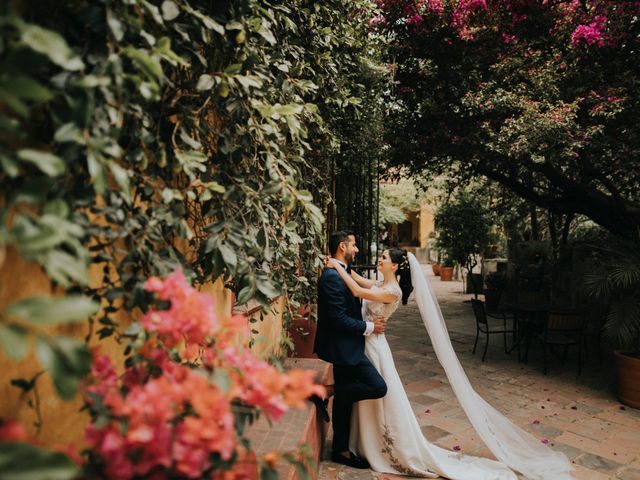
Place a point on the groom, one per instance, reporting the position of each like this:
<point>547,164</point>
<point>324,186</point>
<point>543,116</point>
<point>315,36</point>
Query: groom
<point>340,341</point>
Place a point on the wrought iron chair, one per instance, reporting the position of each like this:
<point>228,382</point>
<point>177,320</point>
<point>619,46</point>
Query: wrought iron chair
<point>482,326</point>
<point>563,329</point>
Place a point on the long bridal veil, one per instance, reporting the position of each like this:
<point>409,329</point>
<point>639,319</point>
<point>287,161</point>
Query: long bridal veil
<point>508,442</point>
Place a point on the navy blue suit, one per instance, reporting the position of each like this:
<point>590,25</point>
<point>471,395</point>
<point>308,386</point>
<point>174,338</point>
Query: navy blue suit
<point>340,341</point>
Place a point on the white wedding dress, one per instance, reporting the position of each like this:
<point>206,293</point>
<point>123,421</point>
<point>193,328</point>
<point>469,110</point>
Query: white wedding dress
<point>386,432</point>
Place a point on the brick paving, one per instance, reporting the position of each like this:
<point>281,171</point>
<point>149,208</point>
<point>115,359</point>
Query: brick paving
<point>578,415</point>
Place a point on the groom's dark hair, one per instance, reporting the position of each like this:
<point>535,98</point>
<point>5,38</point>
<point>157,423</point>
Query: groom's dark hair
<point>335,238</point>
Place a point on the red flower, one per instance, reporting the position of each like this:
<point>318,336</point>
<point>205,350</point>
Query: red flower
<point>12,431</point>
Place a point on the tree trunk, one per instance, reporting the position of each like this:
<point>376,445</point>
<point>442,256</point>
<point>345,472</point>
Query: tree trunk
<point>535,229</point>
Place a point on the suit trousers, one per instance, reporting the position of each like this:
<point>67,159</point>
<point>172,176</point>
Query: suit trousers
<point>352,383</point>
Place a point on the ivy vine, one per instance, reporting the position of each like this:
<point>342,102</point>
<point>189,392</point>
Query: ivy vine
<point>140,136</point>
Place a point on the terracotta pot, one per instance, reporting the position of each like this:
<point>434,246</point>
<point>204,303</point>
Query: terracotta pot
<point>446,274</point>
<point>303,334</point>
<point>436,269</point>
<point>628,379</point>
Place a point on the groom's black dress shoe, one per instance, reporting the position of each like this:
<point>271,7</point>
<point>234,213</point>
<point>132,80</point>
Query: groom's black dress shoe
<point>352,460</point>
<point>321,406</point>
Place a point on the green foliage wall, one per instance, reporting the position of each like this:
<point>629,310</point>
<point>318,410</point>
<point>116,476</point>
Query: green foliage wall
<point>144,135</point>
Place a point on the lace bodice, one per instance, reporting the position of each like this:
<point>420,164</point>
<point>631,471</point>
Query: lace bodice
<point>372,309</point>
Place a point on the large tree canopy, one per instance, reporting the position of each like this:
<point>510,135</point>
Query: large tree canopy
<point>541,96</point>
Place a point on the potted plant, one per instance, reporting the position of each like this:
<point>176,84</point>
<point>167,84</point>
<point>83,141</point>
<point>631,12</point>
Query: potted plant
<point>436,269</point>
<point>495,284</point>
<point>446,270</point>
<point>615,280</point>
<point>302,332</point>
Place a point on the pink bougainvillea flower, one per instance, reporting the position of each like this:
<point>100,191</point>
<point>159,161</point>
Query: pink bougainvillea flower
<point>299,386</point>
<point>190,316</point>
<point>456,448</point>
<point>591,33</point>
<point>12,431</point>
<point>169,413</point>
<point>415,19</point>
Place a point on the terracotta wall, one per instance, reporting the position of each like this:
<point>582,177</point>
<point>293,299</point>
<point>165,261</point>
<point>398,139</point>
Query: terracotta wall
<point>427,225</point>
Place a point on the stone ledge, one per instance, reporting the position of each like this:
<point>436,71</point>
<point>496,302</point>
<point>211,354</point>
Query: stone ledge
<point>296,427</point>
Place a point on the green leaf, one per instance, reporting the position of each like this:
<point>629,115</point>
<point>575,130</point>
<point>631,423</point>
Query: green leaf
<point>149,65</point>
<point>267,289</point>
<point>53,310</point>
<point>121,177</point>
<point>14,103</point>
<point>48,163</point>
<point>211,188</point>
<point>57,207</point>
<point>194,144</point>
<point>205,82</point>
<point>52,45</point>
<point>13,339</point>
<point>245,295</point>
<point>222,379</point>
<point>207,21</point>
<point>267,35</point>
<point>63,267</point>
<point>305,195</point>
<point>67,360</point>
<point>171,194</point>
<point>115,26</point>
<point>24,461</point>
<point>69,132</point>
<point>234,25</point>
<point>268,473</point>
<point>154,11</point>
<point>233,68</point>
<point>228,255</point>
<point>192,162</point>
<point>96,171</point>
<point>9,165</point>
<point>26,88</point>
<point>248,81</point>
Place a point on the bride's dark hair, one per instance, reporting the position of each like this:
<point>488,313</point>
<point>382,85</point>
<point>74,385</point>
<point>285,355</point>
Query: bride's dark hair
<point>399,257</point>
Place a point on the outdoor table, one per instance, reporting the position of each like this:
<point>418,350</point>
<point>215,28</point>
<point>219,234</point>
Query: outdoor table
<point>529,317</point>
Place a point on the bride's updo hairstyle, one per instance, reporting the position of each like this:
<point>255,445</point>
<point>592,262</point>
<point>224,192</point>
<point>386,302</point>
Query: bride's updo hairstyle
<point>400,258</point>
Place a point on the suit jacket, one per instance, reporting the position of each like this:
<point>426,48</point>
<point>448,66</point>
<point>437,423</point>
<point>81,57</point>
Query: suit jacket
<point>340,332</point>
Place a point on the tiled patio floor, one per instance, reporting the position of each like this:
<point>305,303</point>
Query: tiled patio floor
<point>579,416</point>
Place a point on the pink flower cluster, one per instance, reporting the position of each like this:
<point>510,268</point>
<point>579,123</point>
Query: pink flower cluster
<point>415,19</point>
<point>189,316</point>
<point>462,14</point>
<point>378,20</point>
<point>177,419</point>
<point>597,22</point>
<point>591,33</point>
<point>262,386</point>
<point>164,418</point>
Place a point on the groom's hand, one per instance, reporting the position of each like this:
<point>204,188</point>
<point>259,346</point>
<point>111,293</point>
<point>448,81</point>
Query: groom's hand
<point>379,324</point>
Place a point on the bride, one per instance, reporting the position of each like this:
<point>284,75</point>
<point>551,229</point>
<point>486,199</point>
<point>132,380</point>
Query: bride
<point>386,431</point>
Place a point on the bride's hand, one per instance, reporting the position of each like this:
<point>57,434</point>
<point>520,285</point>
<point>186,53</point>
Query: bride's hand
<point>379,325</point>
<point>331,263</point>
